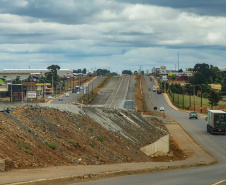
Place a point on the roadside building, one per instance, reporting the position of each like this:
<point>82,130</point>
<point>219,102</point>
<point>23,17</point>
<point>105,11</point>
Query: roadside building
<point>12,74</point>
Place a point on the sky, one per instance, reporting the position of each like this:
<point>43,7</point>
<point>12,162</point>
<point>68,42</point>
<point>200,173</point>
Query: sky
<point>112,34</point>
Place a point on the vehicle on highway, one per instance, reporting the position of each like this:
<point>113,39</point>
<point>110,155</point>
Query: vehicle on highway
<point>193,115</point>
<point>159,91</point>
<point>161,108</point>
<point>51,97</point>
<point>216,122</point>
<point>74,90</point>
<point>67,95</point>
<point>60,99</point>
<point>154,88</point>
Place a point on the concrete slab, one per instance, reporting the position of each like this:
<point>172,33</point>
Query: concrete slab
<point>2,165</point>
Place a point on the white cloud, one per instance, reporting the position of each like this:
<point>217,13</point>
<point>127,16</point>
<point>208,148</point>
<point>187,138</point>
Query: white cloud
<point>106,33</point>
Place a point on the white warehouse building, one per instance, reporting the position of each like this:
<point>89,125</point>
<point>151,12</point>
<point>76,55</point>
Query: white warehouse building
<point>11,74</point>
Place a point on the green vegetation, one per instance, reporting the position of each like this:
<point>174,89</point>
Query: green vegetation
<point>100,138</point>
<point>24,146</point>
<point>90,129</point>
<point>104,82</point>
<point>50,122</point>
<point>92,145</point>
<point>51,145</point>
<point>189,100</point>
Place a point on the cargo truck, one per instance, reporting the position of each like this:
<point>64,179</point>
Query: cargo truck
<point>154,88</point>
<point>159,91</point>
<point>216,122</point>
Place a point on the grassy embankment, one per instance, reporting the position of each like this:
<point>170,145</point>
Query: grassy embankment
<point>189,102</point>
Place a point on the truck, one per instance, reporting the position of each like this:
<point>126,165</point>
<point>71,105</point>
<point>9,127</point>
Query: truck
<point>159,91</point>
<point>154,88</point>
<point>74,90</point>
<point>216,122</point>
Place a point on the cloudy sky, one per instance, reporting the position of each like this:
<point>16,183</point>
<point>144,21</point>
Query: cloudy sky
<point>112,34</point>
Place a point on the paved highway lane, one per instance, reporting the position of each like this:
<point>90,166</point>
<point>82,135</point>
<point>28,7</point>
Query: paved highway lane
<point>120,94</point>
<point>116,93</point>
<point>73,97</point>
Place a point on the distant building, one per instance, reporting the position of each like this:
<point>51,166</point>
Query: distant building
<point>224,70</point>
<point>188,73</point>
<point>12,74</point>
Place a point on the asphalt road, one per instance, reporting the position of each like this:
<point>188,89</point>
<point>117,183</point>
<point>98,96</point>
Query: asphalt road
<point>73,97</point>
<point>214,144</point>
<point>118,93</point>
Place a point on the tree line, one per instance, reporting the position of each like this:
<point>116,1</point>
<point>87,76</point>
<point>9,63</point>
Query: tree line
<point>204,75</point>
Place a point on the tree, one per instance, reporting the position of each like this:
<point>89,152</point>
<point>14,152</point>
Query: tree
<point>223,86</point>
<point>102,72</point>
<point>16,81</point>
<point>190,69</point>
<point>216,74</point>
<point>77,71</point>
<point>84,71</point>
<point>54,68</point>
<point>214,98</point>
<point>52,75</point>
<point>128,72</point>
<point>204,69</point>
<point>197,79</point>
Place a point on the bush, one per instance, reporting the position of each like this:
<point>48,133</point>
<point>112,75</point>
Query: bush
<point>92,145</point>
<point>51,145</point>
<point>100,138</point>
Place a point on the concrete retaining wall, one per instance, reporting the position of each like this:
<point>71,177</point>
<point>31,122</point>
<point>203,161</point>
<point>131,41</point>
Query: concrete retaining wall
<point>162,145</point>
<point>2,165</point>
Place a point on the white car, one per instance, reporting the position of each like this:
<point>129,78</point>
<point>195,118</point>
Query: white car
<point>67,95</point>
<point>161,108</point>
<point>51,97</point>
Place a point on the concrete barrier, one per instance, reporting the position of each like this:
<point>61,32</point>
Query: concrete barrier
<point>162,145</point>
<point>2,165</point>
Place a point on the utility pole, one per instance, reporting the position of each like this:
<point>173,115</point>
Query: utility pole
<point>194,96</point>
<point>22,89</point>
<point>178,62</point>
<point>201,98</point>
<point>52,85</point>
<point>11,93</point>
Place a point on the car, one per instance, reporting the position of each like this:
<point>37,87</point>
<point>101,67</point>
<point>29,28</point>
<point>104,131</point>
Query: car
<point>67,95</point>
<point>161,108</point>
<point>60,99</point>
<point>51,97</point>
<point>193,115</point>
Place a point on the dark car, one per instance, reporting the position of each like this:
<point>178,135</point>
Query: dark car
<point>193,115</point>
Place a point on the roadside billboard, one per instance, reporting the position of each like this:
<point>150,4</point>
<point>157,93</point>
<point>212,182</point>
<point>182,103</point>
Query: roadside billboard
<point>31,94</point>
<point>86,85</point>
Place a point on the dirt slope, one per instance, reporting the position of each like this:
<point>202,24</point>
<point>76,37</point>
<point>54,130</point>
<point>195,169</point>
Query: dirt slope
<point>31,136</point>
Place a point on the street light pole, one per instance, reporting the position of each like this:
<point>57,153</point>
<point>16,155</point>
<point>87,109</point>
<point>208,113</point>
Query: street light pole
<point>194,96</point>
<point>201,99</point>
<point>22,89</point>
<point>11,93</point>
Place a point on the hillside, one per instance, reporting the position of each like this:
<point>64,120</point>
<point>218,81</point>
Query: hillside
<point>34,136</point>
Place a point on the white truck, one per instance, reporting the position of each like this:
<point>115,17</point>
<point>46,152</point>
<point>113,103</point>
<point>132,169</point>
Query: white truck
<point>154,88</point>
<point>216,122</point>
